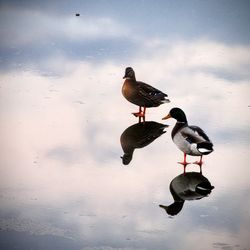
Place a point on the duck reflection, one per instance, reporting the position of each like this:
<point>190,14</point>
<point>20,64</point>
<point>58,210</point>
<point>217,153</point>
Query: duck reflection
<point>187,186</point>
<point>139,135</point>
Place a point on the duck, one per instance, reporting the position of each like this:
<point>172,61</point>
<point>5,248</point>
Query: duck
<point>141,94</point>
<point>191,140</point>
<point>139,135</point>
<point>186,187</point>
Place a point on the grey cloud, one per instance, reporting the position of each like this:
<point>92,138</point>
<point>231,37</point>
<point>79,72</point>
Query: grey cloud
<point>232,135</point>
<point>229,75</point>
<point>36,58</point>
<point>12,239</point>
<point>223,20</point>
<point>226,212</point>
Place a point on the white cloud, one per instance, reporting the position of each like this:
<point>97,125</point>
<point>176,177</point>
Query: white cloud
<point>85,111</point>
<point>181,70</point>
<point>90,95</point>
<point>182,57</point>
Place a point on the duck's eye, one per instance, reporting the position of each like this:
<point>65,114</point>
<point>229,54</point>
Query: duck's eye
<point>131,73</point>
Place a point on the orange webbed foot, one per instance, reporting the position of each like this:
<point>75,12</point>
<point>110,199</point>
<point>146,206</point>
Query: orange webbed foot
<point>138,114</point>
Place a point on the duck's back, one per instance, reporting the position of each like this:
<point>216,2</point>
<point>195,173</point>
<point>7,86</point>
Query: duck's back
<point>184,186</point>
<point>142,94</point>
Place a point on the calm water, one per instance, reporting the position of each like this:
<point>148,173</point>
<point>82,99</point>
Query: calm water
<point>65,125</point>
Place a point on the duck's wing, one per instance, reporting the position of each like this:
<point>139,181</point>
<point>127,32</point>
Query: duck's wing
<point>148,89</point>
<point>200,132</point>
<point>194,134</point>
<point>148,133</point>
<point>150,93</point>
<point>141,134</point>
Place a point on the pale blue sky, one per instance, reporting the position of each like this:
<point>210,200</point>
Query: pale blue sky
<point>33,30</point>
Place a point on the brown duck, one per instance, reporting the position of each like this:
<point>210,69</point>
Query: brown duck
<point>141,94</point>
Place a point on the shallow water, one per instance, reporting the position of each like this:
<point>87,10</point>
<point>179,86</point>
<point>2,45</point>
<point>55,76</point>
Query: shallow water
<point>64,185</point>
<point>63,181</point>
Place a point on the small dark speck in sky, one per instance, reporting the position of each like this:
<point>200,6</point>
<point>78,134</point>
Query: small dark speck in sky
<point>77,14</point>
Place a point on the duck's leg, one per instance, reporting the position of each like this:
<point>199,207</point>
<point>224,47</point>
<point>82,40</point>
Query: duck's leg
<point>200,162</point>
<point>143,113</point>
<point>201,169</point>
<point>138,114</point>
<point>184,168</point>
<point>184,163</point>
<point>142,119</point>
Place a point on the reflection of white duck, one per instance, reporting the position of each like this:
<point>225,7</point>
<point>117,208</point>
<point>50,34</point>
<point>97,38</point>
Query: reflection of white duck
<point>189,186</point>
<point>191,140</point>
<point>139,135</point>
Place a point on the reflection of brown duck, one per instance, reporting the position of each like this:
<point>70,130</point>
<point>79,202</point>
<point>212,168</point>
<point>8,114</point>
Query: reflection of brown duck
<point>141,94</point>
<point>139,135</point>
<point>188,186</point>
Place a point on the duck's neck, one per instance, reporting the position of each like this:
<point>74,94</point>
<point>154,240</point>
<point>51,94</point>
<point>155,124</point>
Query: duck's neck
<point>174,208</point>
<point>176,197</point>
<point>131,78</point>
<point>177,127</point>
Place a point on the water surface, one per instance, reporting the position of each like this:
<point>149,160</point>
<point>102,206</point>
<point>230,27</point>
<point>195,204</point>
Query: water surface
<point>63,182</point>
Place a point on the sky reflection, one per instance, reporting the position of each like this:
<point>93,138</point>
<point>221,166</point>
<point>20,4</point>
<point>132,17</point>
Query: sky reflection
<point>63,184</point>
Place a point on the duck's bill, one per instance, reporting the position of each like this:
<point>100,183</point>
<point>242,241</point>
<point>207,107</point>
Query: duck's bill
<point>167,117</point>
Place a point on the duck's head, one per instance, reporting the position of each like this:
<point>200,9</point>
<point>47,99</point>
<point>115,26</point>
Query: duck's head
<point>174,208</point>
<point>129,73</point>
<point>126,158</point>
<point>177,114</point>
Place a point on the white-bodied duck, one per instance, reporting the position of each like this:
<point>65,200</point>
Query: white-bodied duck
<point>191,140</point>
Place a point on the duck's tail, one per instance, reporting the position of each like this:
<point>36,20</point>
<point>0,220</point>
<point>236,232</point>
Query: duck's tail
<point>205,148</point>
<point>165,100</point>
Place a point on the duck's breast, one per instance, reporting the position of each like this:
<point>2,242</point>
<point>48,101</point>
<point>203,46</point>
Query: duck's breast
<point>129,90</point>
<point>181,143</point>
<point>131,93</point>
<point>184,144</point>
